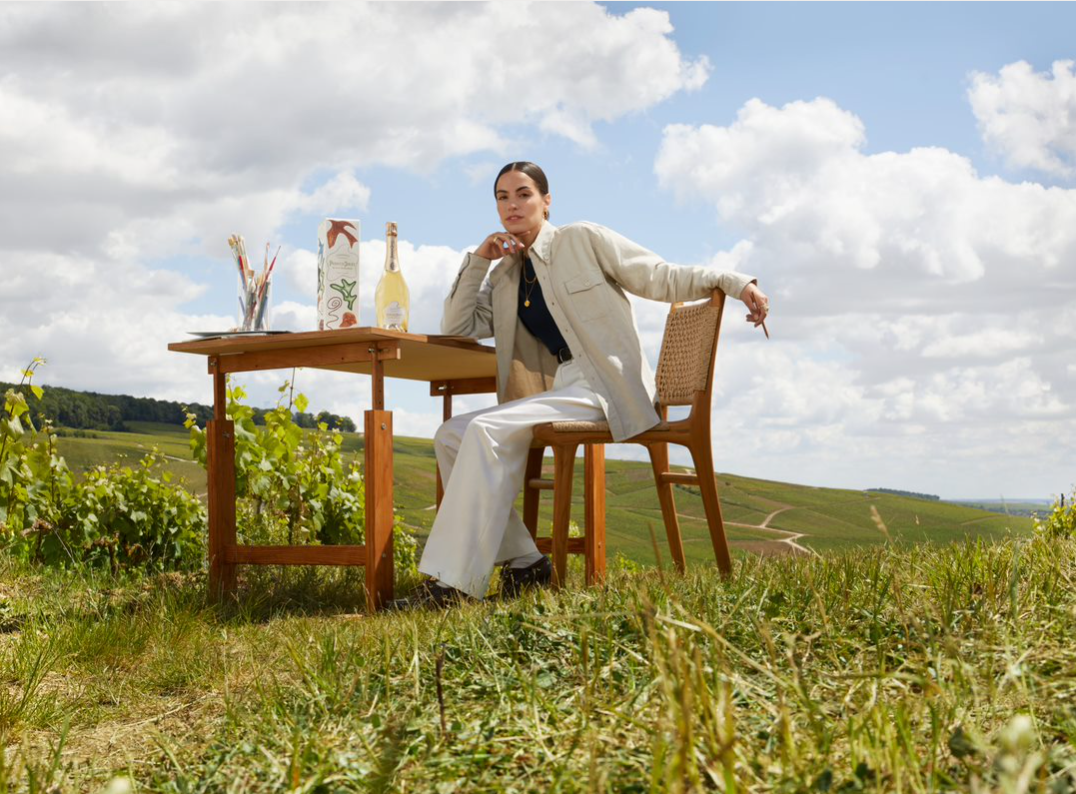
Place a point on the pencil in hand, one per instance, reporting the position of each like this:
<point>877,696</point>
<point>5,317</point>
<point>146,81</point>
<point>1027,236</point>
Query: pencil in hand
<point>759,309</point>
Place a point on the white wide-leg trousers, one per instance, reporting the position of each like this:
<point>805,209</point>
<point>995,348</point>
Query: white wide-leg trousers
<point>483,458</point>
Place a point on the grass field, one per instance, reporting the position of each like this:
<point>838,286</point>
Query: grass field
<point>927,668</point>
<point>107,447</point>
<point>859,660</point>
<point>827,518</point>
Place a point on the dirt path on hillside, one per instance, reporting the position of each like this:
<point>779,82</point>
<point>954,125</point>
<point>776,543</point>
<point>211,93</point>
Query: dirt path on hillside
<point>789,538</point>
<point>784,545</point>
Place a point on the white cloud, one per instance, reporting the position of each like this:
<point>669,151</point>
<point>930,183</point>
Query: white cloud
<point>988,342</point>
<point>920,310</point>
<point>975,394</point>
<point>40,136</point>
<point>147,129</point>
<point>415,424</point>
<point>1029,117</point>
<point>901,230</point>
<point>139,135</point>
<point>341,194</point>
<point>784,412</point>
<point>293,316</point>
<point>300,267</point>
<point>101,327</point>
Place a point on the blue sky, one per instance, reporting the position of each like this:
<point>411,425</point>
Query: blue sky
<point>901,186</point>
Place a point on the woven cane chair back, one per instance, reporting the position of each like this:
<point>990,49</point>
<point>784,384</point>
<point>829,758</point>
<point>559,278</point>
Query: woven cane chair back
<point>687,352</point>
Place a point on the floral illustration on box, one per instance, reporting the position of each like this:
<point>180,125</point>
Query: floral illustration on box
<point>347,291</point>
<point>349,320</point>
<point>336,228</point>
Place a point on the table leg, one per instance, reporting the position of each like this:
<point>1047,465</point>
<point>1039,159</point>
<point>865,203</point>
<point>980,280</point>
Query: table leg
<point>446,414</point>
<point>220,465</point>
<point>378,452</point>
<point>594,498</point>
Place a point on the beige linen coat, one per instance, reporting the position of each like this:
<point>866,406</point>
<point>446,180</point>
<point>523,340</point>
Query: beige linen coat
<point>584,270</point>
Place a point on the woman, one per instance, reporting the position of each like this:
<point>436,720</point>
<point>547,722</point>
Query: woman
<point>567,350</point>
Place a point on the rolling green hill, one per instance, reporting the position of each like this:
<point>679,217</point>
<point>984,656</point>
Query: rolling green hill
<point>761,515</point>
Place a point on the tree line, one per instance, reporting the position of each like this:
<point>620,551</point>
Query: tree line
<point>913,494</point>
<point>85,410</point>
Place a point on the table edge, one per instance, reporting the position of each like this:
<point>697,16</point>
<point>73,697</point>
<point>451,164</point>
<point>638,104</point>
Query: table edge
<point>243,344</point>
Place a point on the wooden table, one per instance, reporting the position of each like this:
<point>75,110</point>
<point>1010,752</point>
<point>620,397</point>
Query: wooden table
<point>451,365</point>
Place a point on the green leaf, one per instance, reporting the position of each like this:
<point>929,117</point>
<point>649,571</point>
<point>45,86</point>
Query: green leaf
<point>16,403</point>
<point>301,403</point>
<point>13,427</point>
<point>8,468</point>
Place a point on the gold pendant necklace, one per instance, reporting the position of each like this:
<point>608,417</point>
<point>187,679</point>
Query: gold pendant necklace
<point>530,286</point>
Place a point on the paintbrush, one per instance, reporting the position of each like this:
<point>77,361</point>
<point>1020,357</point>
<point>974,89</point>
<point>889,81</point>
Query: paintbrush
<point>268,271</point>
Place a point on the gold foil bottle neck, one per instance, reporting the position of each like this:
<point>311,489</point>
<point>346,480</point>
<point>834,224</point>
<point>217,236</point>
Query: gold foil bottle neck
<point>390,229</point>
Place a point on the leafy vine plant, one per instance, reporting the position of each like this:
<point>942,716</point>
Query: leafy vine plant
<point>33,475</point>
<point>15,408</point>
<point>115,515</point>
<point>295,486</point>
<point>17,422</point>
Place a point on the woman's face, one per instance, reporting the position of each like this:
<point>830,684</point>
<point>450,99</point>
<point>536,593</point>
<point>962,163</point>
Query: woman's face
<point>521,204</point>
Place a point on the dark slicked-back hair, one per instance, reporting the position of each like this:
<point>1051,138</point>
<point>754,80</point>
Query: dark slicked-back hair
<point>531,170</point>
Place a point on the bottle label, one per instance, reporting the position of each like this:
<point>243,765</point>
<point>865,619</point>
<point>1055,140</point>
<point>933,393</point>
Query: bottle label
<point>395,315</point>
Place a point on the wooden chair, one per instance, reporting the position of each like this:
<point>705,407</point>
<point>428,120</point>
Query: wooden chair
<point>685,376</point>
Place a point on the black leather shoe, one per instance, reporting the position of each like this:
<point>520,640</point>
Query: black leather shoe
<point>431,595</point>
<point>515,580</point>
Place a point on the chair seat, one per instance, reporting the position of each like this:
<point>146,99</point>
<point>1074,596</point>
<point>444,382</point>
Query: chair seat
<point>599,432</point>
<point>601,426</point>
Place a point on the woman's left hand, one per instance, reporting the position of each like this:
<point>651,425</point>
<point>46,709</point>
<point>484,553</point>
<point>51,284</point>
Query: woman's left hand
<point>757,303</point>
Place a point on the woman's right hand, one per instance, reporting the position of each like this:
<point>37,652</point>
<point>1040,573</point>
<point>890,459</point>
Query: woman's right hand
<point>497,245</point>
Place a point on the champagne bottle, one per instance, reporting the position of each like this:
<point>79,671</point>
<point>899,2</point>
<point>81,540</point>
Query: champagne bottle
<point>392,299</point>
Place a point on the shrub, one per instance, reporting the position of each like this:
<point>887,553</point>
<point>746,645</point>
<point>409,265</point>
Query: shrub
<point>1061,521</point>
<point>295,486</point>
<point>117,516</point>
<point>137,517</point>
<point>291,486</point>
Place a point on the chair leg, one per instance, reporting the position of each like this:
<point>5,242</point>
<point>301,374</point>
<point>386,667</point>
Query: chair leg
<point>532,496</point>
<point>564,461</point>
<point>594,542</point>
<point>659,460</point>
<point>704,468</point>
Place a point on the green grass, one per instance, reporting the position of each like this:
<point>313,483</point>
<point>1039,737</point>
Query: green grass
<point>129,447</point>
<point>892,668</point>
<point>829,518</point>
